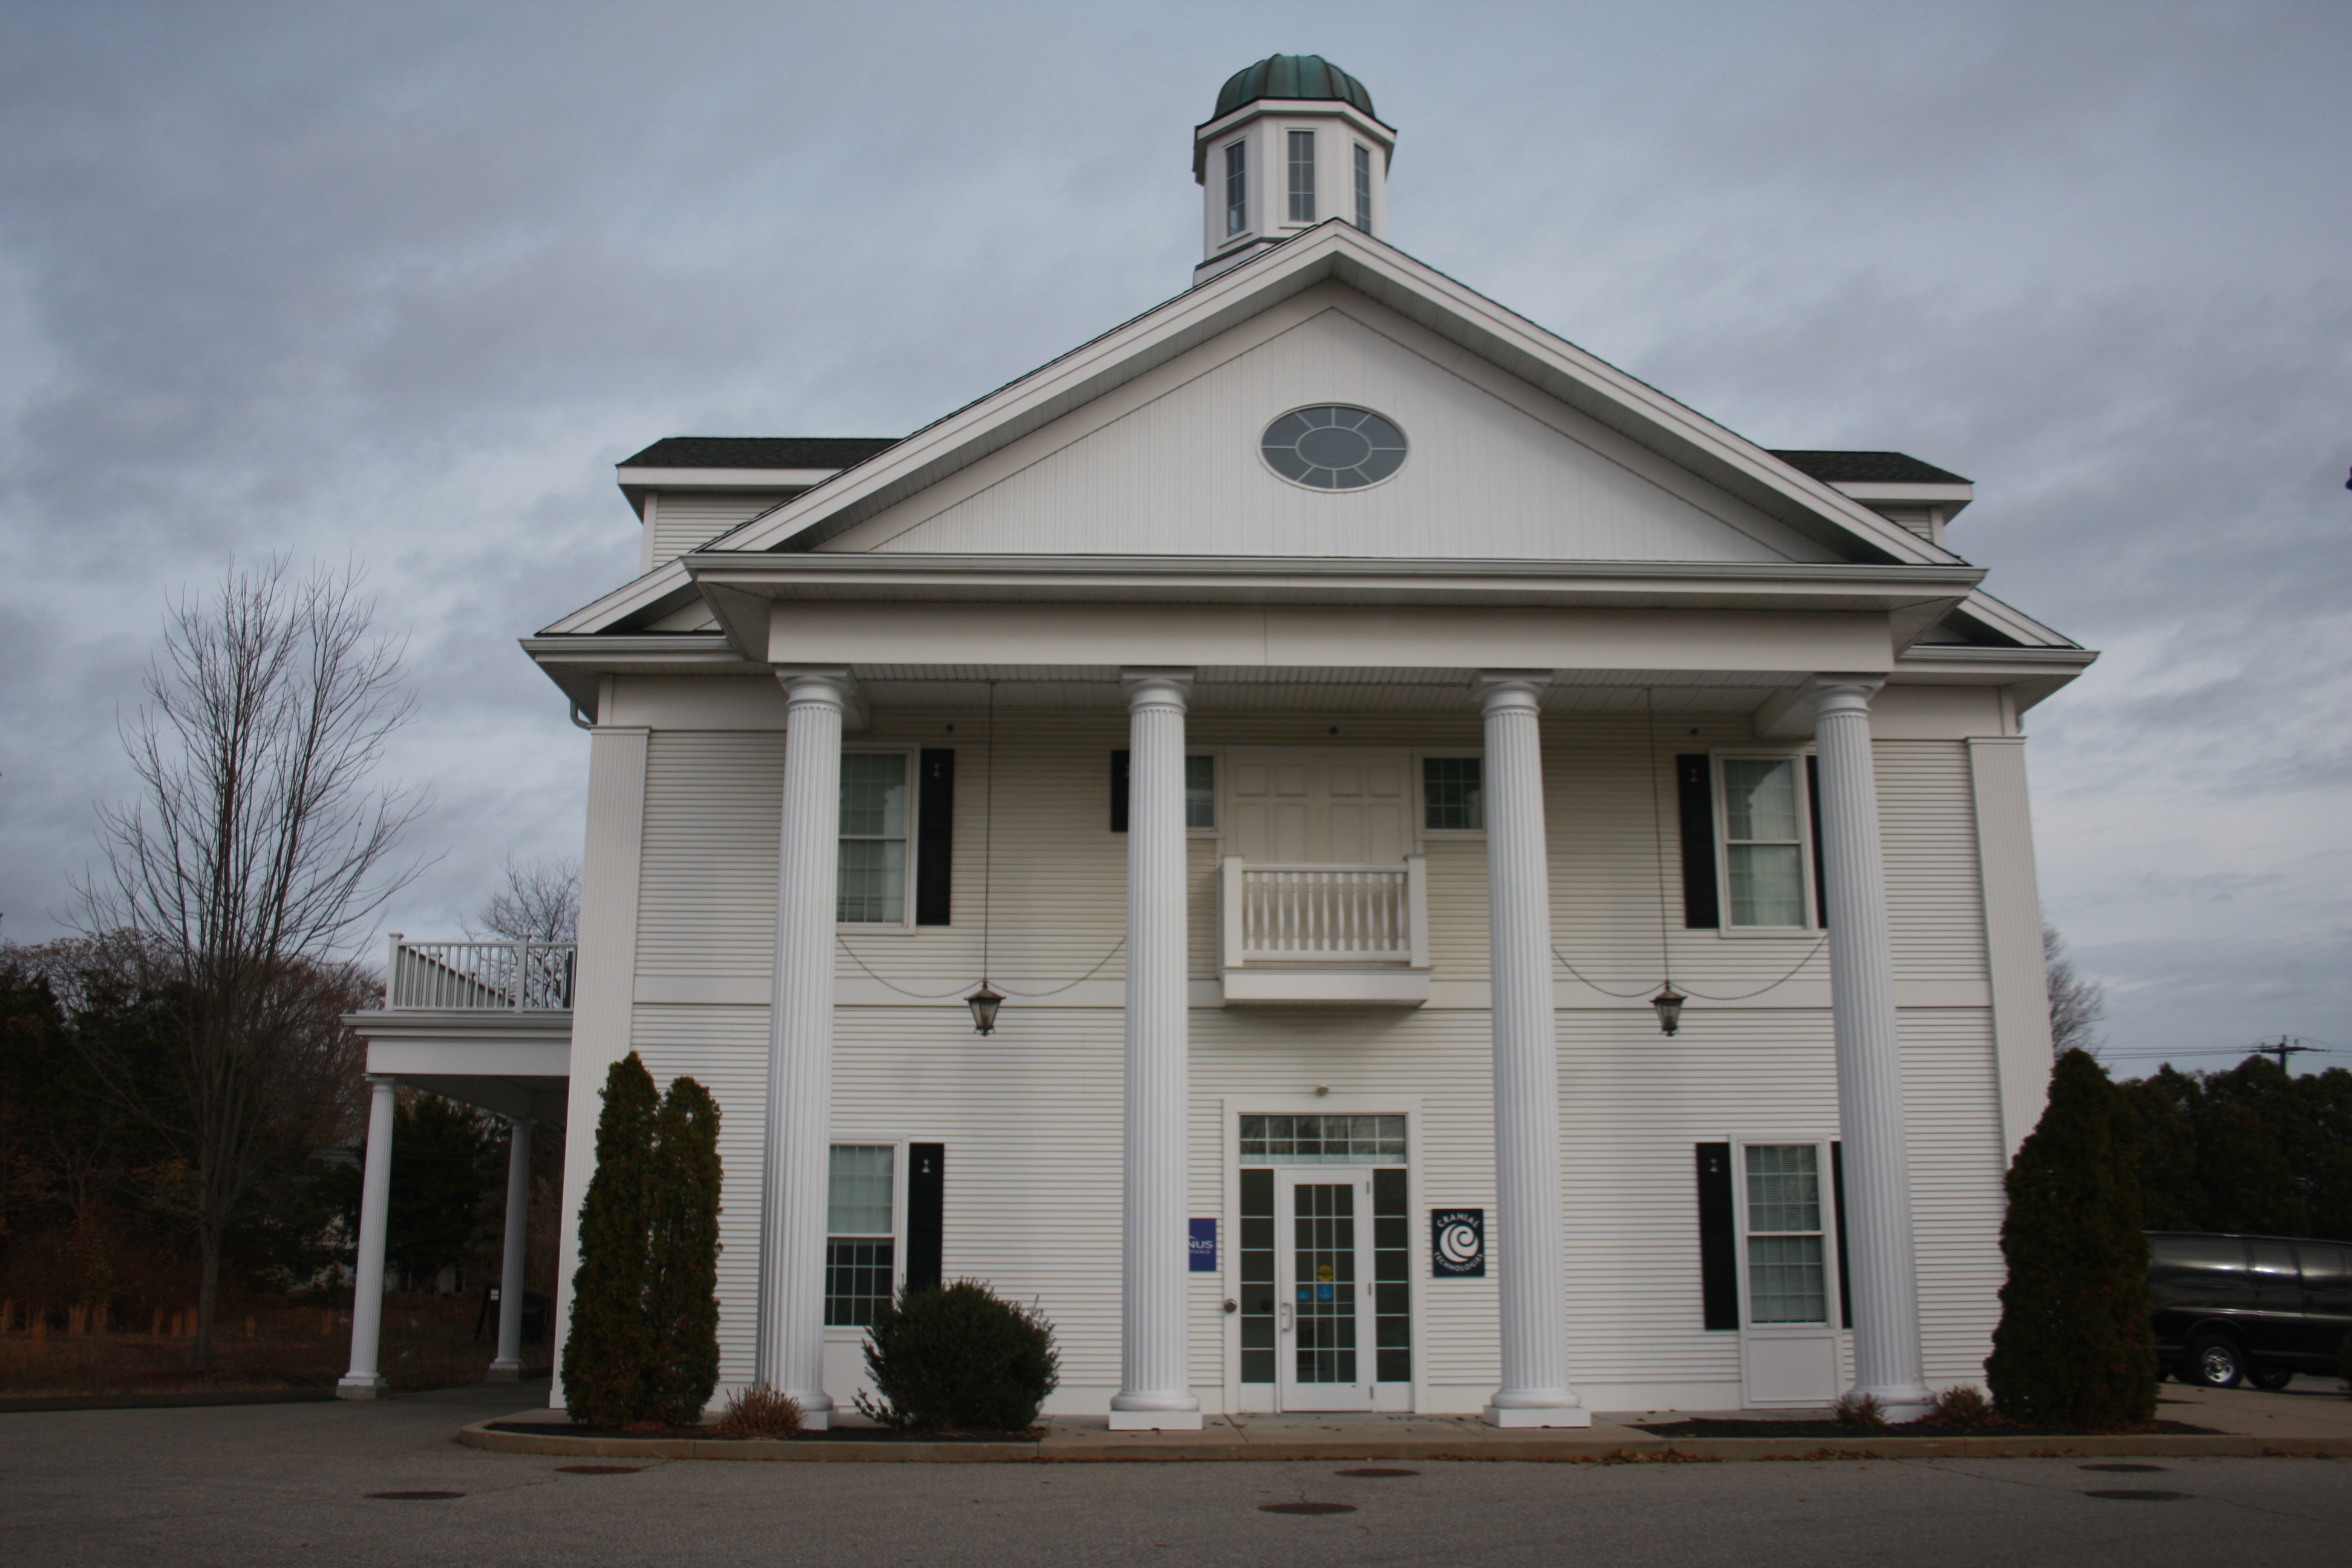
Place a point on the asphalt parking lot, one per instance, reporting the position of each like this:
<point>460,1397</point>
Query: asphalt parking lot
<point>293,1484</point>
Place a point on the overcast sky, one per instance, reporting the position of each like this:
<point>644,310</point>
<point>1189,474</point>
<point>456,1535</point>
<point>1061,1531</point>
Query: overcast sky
<point>397,284</point>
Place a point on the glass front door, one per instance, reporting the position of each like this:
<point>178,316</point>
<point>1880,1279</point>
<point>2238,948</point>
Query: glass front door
<point>1324,1275</point>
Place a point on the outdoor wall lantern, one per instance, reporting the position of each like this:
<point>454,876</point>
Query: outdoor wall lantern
<point>1668,1002</point>
<point>984,1002</point>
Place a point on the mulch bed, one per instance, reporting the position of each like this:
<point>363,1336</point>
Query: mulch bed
<point>705,1435</point>
<point>1735,1428</point>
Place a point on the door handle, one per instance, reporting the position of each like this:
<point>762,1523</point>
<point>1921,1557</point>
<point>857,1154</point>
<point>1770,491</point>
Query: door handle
<point>1285,1317</point>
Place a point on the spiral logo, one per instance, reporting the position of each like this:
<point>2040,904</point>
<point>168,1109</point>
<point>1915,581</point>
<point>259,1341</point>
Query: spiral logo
<point>1457,1243</point>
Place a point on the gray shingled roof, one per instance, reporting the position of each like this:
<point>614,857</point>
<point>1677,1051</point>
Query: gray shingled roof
<point>1868,468</point>
<point>759,451</point>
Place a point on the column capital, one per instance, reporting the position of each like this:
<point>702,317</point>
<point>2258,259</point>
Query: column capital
<point>830,684</point>
<point>1837,693</point>
<point>380,1081</point>
<point>1498,689</point>
<point>1156,687</point>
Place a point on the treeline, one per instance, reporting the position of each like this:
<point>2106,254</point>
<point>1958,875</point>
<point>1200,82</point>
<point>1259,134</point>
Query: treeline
<point>2252,1148</point>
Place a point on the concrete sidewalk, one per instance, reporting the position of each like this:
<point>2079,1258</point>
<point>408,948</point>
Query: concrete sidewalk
<point>2312,1418</point>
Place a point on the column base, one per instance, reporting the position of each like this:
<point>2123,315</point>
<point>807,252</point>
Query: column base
<point>817,1411</point>
<point>506,1372</point>
<point>1536,1415</point>
<point>370,1387</point>
<point>1155,1421</point>
<point>1899,1403</point>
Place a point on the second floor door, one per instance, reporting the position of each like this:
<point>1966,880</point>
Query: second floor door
<point>1336,805</point>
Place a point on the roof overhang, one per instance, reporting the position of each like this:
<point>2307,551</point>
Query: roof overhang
<point>635,480</point>
<point>1364,125</point>
<point>1874,492</point>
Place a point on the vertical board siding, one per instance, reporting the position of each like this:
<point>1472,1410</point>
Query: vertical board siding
<point>1031,1118</point>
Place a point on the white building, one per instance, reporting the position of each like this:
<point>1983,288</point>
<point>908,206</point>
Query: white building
<point>1327,707</point>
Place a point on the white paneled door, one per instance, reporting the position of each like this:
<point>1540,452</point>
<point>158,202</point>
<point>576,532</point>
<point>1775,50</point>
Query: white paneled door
<point>1346,805</point>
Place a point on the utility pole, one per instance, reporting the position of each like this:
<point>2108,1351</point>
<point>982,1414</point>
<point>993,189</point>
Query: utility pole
<point>2286,1046</point>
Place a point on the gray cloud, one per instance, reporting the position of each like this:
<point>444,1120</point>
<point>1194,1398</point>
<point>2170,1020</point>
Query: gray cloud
<point>397,285</point>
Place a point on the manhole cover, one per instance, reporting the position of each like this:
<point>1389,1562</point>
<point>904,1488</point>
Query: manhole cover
<point>2126,1469</point>
<point>1379,1471</point>
<point>1305,1508</point>
<point>2139,1495</point>
<point>600,1469</point>
<point>415,1497</point>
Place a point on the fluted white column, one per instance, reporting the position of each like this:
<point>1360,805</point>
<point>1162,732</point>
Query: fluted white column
<point>1155,1391</point>
<point>507,1367</point>
<point>791,1342</point>
<point>1532,1273</point>
<point>1886,1281</point>
<point>363,1381</point>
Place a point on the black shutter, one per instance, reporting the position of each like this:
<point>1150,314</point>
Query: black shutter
<point>927,1194</point>
<point>1118,792</point>
<point>934,839</point>
<point>1694,782</point>
<point>1821,879</point>
<point>1837,1202</point>
<point>1719,1247</point>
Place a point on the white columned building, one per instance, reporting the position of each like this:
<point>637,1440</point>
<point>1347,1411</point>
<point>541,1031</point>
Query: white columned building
<point>1155,1390</point>
<point>1531,1307</point>
<point>364,1380</point>
<point>791,1330</point>
<point>1886,1363</point>
<point>507,1365</point>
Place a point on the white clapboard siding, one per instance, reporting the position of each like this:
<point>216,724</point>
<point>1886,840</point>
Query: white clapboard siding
<point>706,894</point>
<point>1935,885</point>
<point>685,519</point>
<point>1950,1103</point>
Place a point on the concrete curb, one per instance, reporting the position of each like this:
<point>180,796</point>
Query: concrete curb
<point>31,1404</point>
<point>1641,1448</point>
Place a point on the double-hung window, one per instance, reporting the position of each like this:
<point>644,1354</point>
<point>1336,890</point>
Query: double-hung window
<point>1237,186</point>
<point>1363,187</point>
<point>1787,1245</point>
<point>1766,839</point>
<point>1302,176</point>
<point>875,814</point>
<point>1453,795</point>
<point>861,1243</point>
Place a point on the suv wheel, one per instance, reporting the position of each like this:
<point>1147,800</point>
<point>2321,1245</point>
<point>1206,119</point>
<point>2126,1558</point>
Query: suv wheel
<point>2213,1362</point>
<point>2271,1378</point>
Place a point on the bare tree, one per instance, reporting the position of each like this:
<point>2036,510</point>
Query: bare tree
<point>2077,1003</point>
<point>539,902</point>
<point>255,855</point>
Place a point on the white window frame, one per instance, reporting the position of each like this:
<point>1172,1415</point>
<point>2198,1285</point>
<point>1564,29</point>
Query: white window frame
<point>1722,829</point>
<point>898,1236</point>
<point>1290,191</point>
<point>1360,182</point>
<point>1226,173</point>
<point>1824,1173</point>
<point>1422,830</point>
<point>1218,808</point>
<point>913,824</point>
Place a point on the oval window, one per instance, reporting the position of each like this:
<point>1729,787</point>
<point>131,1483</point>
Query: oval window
<point>1332,447</point>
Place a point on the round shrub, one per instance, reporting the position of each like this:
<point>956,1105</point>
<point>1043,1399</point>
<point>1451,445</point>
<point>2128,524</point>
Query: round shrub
<point>961,1358</point>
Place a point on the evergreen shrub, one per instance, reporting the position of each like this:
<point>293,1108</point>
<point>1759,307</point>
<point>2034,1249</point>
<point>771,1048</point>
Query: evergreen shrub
<point>959,1358</point>
<point>644,1341</point>
<point>2074,1346</point>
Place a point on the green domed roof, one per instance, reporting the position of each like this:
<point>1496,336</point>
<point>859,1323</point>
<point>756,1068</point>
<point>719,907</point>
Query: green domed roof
<point>1291,76</point>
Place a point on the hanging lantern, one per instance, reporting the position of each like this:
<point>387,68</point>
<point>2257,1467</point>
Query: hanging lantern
<point>983,1003</point>
<point>1669,1004</point>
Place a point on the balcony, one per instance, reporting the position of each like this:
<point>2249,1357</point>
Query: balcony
<point>472,976</point>
<point>1316,935</point>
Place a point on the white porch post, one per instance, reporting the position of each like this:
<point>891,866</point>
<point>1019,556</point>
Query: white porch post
<point>363,1381</point>
<point>507,1367</point>
<point>1155,1391</point>
<point>1886,1360</point>
<point>1535,1390</point>
<point>791,1342</point>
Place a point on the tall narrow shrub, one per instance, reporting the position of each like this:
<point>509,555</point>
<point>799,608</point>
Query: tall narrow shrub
<point>2074,1346</point>
<point>610,1340</point>
<point>682,1305</point>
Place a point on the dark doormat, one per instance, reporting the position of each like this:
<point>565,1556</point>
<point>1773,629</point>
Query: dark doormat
<point>1737,1428</point>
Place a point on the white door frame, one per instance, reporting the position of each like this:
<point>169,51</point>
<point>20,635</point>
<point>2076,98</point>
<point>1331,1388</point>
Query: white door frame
<point>1291,1293</point>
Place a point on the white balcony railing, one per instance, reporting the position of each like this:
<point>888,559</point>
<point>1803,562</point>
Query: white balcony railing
<point>1325,915</point>
<point>509,976</point>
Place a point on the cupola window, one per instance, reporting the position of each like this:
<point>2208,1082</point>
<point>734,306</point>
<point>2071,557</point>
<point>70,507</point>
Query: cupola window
<point>1363,187</point>
<point>1302,176</point>
<point>1236,187</point>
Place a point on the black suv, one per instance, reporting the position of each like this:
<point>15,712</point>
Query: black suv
<point>2259,1306</point>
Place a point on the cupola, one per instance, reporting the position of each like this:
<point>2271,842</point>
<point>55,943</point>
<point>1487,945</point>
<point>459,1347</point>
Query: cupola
<point>1293,142</point>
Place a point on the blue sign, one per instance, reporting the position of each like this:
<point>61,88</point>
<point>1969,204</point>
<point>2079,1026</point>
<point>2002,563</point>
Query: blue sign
<point>1457,1243</point>
<point>1204,1247</point>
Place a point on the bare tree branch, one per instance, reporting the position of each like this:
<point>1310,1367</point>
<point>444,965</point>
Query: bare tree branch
<point>2077,1003</point>
<point>539,902</point>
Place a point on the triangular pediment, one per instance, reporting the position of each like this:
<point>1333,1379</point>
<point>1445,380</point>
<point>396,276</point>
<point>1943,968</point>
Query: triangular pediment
<point>1169,464</point>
